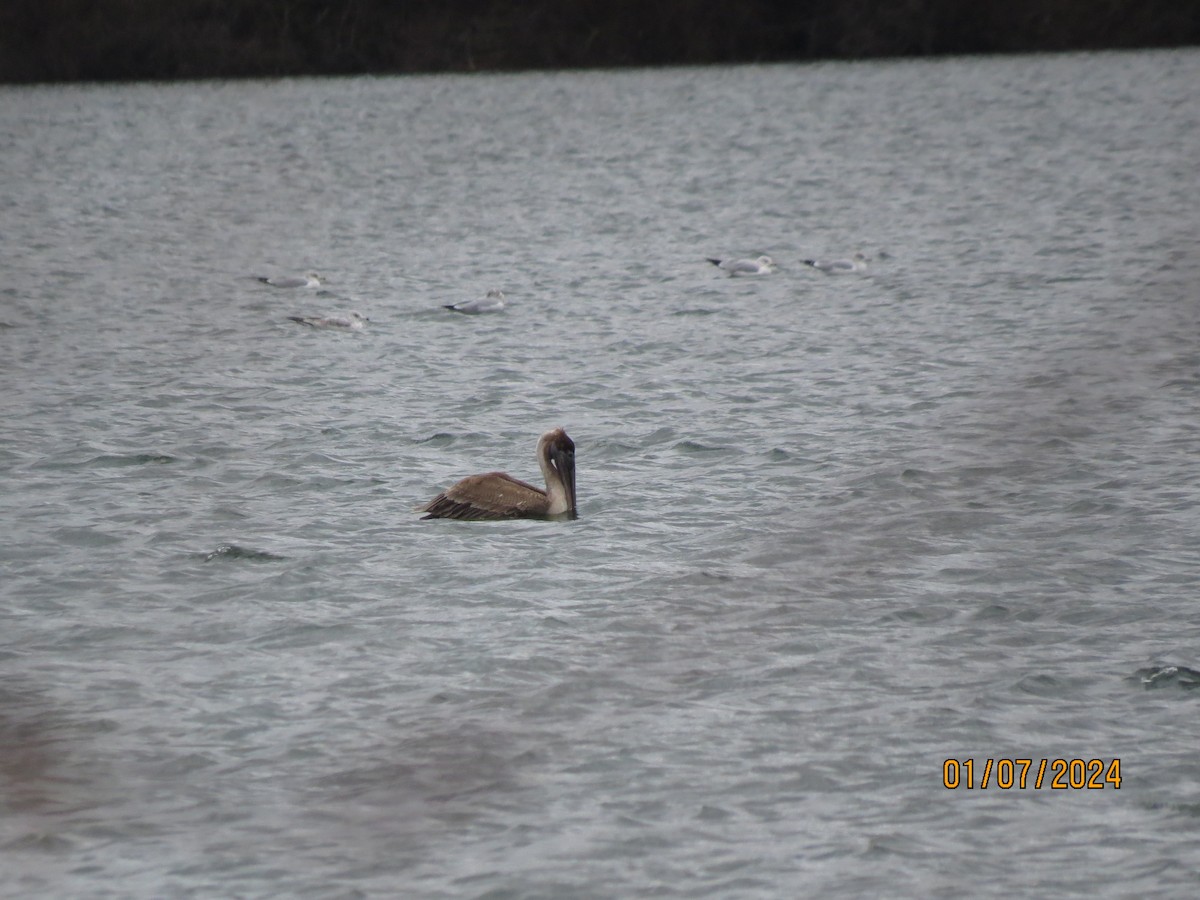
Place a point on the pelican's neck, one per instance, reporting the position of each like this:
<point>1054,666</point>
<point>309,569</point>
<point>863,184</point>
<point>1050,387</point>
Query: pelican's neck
<point>556,491</point>
<point>557,496</point>
<point>558,500</point>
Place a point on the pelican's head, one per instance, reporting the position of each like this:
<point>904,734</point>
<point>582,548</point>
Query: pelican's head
<point>314,279</point>
<point>556,454</point>
<point>766,261</point>
<point>496,294</point>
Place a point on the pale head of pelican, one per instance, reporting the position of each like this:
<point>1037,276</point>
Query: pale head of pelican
<point>556,455</point>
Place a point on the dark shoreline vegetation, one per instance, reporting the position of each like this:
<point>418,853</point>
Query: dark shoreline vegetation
<point>102,40</point>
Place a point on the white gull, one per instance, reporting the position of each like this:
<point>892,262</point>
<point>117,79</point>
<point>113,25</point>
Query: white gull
<point>762,265</point>
<point>312,279</point>
<point>856,263</point>
<point>352,322</point>
<point>493,302</point>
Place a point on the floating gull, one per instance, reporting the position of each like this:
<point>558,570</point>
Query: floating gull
<point>762,265</point>
<point>493,302</point>
<point>856,263</point>
<point>312,279</point>
<point>496,495</point>
<point>353,322</point>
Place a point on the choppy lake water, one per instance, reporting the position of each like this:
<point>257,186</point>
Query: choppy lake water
<point>833,531</point>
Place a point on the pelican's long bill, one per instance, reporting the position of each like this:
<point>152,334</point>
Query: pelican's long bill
<point>496,495</point>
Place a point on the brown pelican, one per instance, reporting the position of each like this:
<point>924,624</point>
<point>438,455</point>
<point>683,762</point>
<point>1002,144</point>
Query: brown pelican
<point>761,265</point>
<point>856,263</point>
<point>355,321</point>
<point>312,279</point>
<point>500,496</point>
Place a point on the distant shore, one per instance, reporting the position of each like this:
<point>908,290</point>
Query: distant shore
<point>104,40</point>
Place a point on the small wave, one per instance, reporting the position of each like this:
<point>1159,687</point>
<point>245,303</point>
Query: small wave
<point>233,551</point>
<point>132,459</point>
<point>695,447</point>
<point>440,439</point>
<point>41,841</point>
<point>1154,677</point>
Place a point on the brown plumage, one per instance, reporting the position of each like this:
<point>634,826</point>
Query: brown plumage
<point>496,495</point>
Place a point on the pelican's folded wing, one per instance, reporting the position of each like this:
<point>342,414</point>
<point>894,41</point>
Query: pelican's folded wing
<point>491,496</point>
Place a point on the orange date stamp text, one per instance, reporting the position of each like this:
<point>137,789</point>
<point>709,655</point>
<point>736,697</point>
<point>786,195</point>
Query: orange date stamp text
<point>1023,774</point>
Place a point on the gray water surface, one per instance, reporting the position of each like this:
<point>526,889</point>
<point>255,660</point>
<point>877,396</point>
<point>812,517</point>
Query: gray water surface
<point>833,530</point>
